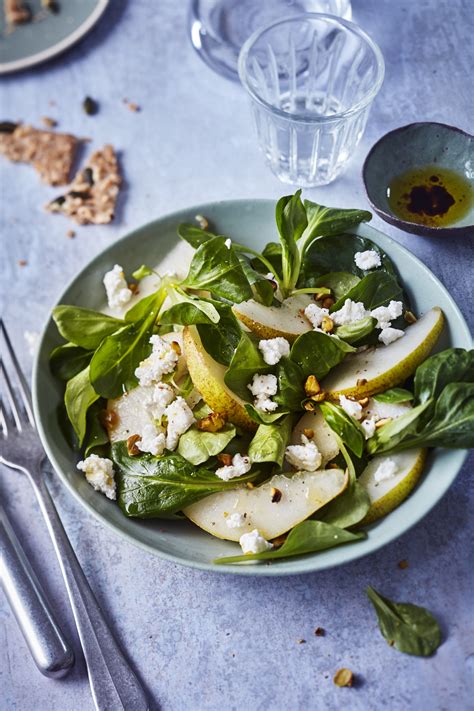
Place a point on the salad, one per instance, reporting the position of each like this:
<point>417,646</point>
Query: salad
<point>283,400</point>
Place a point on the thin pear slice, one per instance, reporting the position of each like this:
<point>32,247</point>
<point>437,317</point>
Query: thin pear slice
<point>377,369</point>
<point>323,436</point>
<point>272,321</point>
<point>302,494</point>
<point>386,495</point>
<point>208,377</point>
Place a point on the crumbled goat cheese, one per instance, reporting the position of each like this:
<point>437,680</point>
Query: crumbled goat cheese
<point>270,276</point>
<point>235,520</point>
<point>240,466</point>
<point>32,340</point>
<point>99,473</point>
<point>228,243</point>
<point>162,360</point>
<point>152,440</point>
<point>273,349</point>
<point>350,407</point>
<point>116,287</point>
<point>389,335</point>
<point>315,314</point>
<point>305,457</point>
<point>385,470</point>
<point>253,542</point>
<point>351,312</point>
<point>368,425</point>
<point>386,314</point>
<point>370,259</point>
<point>180,418</point>
<point>262,388</point>
<point>162,395</point>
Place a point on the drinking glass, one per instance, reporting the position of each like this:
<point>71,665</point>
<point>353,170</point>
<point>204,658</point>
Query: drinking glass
<point>218,28</point>
<point>311,80</point>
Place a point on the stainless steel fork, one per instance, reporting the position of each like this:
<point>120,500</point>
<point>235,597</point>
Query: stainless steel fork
<point>113,683</point>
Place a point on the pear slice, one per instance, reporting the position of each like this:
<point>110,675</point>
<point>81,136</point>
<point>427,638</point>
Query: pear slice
<point>208,377</point>
<point>323,436</point>
<point>302,494</point>
<point>128,414</point>
<point>272,321</point>
<point>377,369</point>
<point>386,495</point>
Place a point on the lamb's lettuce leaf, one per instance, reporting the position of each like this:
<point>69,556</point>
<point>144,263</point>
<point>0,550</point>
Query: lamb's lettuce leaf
<point>453,365</point>
<point>316,353</point>
<point>246,362</point>
<point>376,289</point>
<point>394,395</point>
<point>350,507</point>
<point>84,327</point>
<point>270,441</point>
<point>345,427</point>
<point>79,396</point>
<point>197,446</point>
<point>68,360</point>
<point>354,333</point>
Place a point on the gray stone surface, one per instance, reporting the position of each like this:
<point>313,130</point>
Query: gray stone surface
<point>200,640</point>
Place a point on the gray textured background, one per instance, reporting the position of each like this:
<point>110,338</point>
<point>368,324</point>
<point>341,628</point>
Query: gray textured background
<point>199,640</point>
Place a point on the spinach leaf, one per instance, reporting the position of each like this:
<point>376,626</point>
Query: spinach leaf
<point>290,378</point>
<point>353,333</point>
<point>291,222</point>
<point>390,435</point>
<point>409,628</point>
<point>79,396</point>
<point>193,235</point>
<point>142,272</point>
<point>306,537</point>
<point>316,353</point>
<point>246,362</point>
<point>197,446</point>
<point>96,437</point>
<point>352,505</point>
<point>113,364</point>
<point>264,418</point>
<point>339,282</point>
<point>217,268</point>
<point>68,360</point>
<point>345,426</point>
<point>329,221</point>
<point>376,289</point>
<point>151,487</point>
<point>262,287</point>
<point>84,327</point>
<point>394,395</point>
<point>453,365</point>
<point>270,441</point>
<point>193,311</point>
<point>272,254</point>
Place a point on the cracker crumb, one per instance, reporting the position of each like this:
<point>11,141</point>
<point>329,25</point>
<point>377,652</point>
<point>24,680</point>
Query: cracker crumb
<point>48,122</point>
<point>17,12</point>
<point>22,262</point>
<point>132,106</point>
<point>71,234</point>
<point>319,632</point>
<point>301,641</point>
<point>402,564</point>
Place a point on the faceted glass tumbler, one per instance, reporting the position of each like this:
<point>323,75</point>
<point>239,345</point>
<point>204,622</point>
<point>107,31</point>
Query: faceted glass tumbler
<point>311,80</point>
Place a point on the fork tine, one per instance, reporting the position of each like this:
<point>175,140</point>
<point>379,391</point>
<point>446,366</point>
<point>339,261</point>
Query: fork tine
<point>22,383</point>
<point>3,420</point>
<point>11,398</point>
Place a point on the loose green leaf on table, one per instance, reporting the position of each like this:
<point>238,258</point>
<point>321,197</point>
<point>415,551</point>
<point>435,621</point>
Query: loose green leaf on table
<point>79,396</point>
<point>409,628</point>
<point>270,441</point>
<point>316,353</point>
<point>198,446</point>
<point>68,360</point>
<point>84,327</point>
<point>394,396</point>
<point>345,426</point>
<point>306,537</point>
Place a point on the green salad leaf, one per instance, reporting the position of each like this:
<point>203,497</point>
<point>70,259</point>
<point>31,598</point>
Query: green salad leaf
<point>270,441</point>
<point>246,362</point>
<point>198,446</point>
<point>354,332</point>
<point>79,396</point>
<point>291,222</point>
<point>338,282</point>
<point>350,507</point>
<point>345,427</point>
<point>194,235</point>
<point>394,395</point>
<point>264,418</point>
<point>316,353</point>
<point>330,221</point>
<point>306,537</point>
<point>84,327</point>
<point>68,360</point>
<point>96,436</point>
<point>376,289</point>
<point>409,628</point>
<point>454,365</point>
<point>290,378</point>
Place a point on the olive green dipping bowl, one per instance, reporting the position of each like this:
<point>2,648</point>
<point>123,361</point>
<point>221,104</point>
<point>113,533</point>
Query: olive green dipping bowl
<point>418,145</point>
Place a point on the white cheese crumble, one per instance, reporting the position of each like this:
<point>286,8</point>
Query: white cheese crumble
<point>161,396</point>
<point>386,314</point>
<point>152,441</point>
<point>262,388</point>
<point>100,474</point>
<point>305,457</point>
<point>180,418</point>
<point>273,349</point>
<point>253,542</point>
<point>389,335</point>
<point>116,287</point>
<point>370,259</point>
<point>270,276</point>
<point>315,314</point>
<point>351,312</point>
<point>161,361</point>
<point>235,520</point>
<point>240,466</point>
<point>228,243</point>
<point>385,470</point>
<point>351,407</point>
<point>368,425</point>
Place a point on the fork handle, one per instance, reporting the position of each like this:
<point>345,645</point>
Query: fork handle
<point>50,650</point>
<point>113,683</point>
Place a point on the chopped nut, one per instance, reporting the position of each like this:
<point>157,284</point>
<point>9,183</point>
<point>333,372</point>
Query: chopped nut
<point>343,677</point>
<point>17,12</point>
<point>319,397</point>
<point>402,564</point>
<point>327,324</point>
<point>279,541</point>
<point>312,386</point>
<point>309,433</point>
<point>328,302</point>
<point>301,641</point>
<point>320,295</point>
<point>48,122</point>
<point>310,406</point>
<point>363,402</point>
<point>202,222</point>
<point>52,6</point>
<point>410,317</point>
<point>225,459</point>
<point>332,465</point>
<point>132,448</point>
<point>109,418</point>
<point>176,347</point>
<point>71,234</point>
<point>382,422</point>
<point>211,423</point>
<point>22,262</point>
<point>90,106</point>
<point>133,107</point>
<point>319,632</point>
<point>134,288</point>
<point>361,381</point>
<point>301,312</point>
<point>276,495</point>
<point>250,485</point>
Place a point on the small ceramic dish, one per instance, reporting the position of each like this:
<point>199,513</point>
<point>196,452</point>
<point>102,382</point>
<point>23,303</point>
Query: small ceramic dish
<point>417,146</point>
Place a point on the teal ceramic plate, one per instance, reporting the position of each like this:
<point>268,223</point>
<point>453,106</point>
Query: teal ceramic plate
<point>248,221</point>
<point>48,34</point>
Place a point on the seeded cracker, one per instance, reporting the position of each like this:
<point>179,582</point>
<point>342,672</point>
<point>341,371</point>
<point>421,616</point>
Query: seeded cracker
<point>50,152</point>
<point>93,193</point>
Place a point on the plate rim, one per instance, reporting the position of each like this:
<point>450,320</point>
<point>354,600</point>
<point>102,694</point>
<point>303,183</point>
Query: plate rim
<point>295,566</point>
<point>55,49</point>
